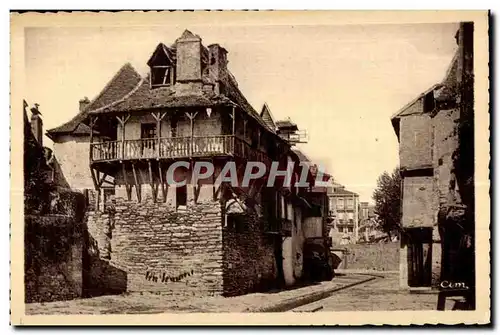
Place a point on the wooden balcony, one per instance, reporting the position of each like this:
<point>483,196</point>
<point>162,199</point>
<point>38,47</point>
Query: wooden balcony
<point>176,147</point>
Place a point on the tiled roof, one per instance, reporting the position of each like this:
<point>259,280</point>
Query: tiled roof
<point>67,127</point>
<point>285,124</point>
<point>162,48</point>
<point>301,155</point>
<point>125,80</point>
<point>127,91</point>
<point>406,110</point>
<point>343,191</point>
<point>143,97</point>
<point>266,115</point>
<point>449,81</point>
<point>234,94</point>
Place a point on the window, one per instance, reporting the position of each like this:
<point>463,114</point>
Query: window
<point>173,127</point>
<point>341,229</point>
<point>161,75</point>
<point>181,196</point>
<point>350,203</point>
<point>350,216</point>
<point>148,131</point>
<point>365,212</point>
<point>340,203</point>
<point>350,229</point>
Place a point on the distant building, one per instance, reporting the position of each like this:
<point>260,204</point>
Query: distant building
<point>367,222</point>
<point>344,206</point>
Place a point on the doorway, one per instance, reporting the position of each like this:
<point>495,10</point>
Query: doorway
<point>419,244</point>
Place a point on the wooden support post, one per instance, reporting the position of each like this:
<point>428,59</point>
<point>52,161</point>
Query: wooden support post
<point>101,180</point>
<point>123,120</point>
<point>191,117</point>
<point>160,173</point>
<point>217,191</point>
<point>93,120</point>
<point>245,121</point>
<point>128,187</point>
<point>158,116</point>
<point>213,181</point>
<point>137,185</point>
<point>196,193</point>
<point>151,182</point>
<point>233,116</point>
<point>96,186</point>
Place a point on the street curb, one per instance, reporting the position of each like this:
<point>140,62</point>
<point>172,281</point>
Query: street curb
<point>367,272</point>
<point>291,303</point>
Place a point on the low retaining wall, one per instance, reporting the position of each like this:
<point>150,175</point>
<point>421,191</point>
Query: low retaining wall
<point>377,256</point>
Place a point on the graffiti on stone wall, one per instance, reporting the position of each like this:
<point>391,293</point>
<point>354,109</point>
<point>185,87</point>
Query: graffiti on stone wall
<point>164,278</point>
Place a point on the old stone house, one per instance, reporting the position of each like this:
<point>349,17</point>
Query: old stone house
<point>199,238</point>
<point>435,133</point>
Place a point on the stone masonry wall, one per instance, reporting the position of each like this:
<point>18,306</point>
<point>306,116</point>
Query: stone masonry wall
<point>53,258</point>
<point>161,249</point>
<point>249,260</point>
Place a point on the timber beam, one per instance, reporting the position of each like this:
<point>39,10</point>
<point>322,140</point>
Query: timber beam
<point>137,185</point>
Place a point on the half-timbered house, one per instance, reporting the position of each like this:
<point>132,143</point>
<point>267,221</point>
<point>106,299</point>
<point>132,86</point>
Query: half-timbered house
<point>201,237</point>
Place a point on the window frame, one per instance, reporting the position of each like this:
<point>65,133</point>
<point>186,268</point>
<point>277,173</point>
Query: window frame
<point>169,69</point>
<point>339,203</point>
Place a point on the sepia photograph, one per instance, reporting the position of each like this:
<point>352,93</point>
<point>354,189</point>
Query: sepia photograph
<point>283,167</point>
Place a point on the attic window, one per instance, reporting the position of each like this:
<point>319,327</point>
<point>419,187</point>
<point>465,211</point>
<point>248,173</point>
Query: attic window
<point>162,75</point>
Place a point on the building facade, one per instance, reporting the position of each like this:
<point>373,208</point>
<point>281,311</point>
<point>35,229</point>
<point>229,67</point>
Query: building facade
<point>202,237</point>
<point>435,133</point>
<point>367,231</point>
<point>344,206</point>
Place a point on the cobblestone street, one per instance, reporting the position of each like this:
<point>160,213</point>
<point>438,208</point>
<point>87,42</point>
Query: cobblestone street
<point>134,303</point>
<point>381,294</point>
<point>350,292</point>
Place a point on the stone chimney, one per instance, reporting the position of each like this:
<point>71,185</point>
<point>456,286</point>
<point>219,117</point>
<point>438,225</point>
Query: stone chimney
<point>217,65</point>
<point>37,124</point>
<point>84,103</point>
<point>188,67</point>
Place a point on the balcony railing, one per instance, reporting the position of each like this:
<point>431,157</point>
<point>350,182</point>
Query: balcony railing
<point>175,147</point>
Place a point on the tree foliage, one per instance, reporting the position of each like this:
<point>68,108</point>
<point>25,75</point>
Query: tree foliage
<point>387,197</point>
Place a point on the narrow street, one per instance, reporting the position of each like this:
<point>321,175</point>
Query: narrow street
<point>381,294</point>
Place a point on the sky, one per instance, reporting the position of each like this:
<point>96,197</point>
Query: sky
<point>339,83</point>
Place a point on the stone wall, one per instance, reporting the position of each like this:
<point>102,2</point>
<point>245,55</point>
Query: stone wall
<point>161,249</point>
<point>378,256</point>
<point>249,256</point>
<point>415,142</point>
<point>53,258</point>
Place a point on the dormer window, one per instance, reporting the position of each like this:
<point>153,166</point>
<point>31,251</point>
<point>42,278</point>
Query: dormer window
<point>162,75</point>
<point>162,65</point>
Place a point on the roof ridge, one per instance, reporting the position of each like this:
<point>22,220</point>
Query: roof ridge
<point>424,93</point>
<point>265,108</point>
<point>450,67</point>
<point>108,84</point>
<point>126,96</point>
